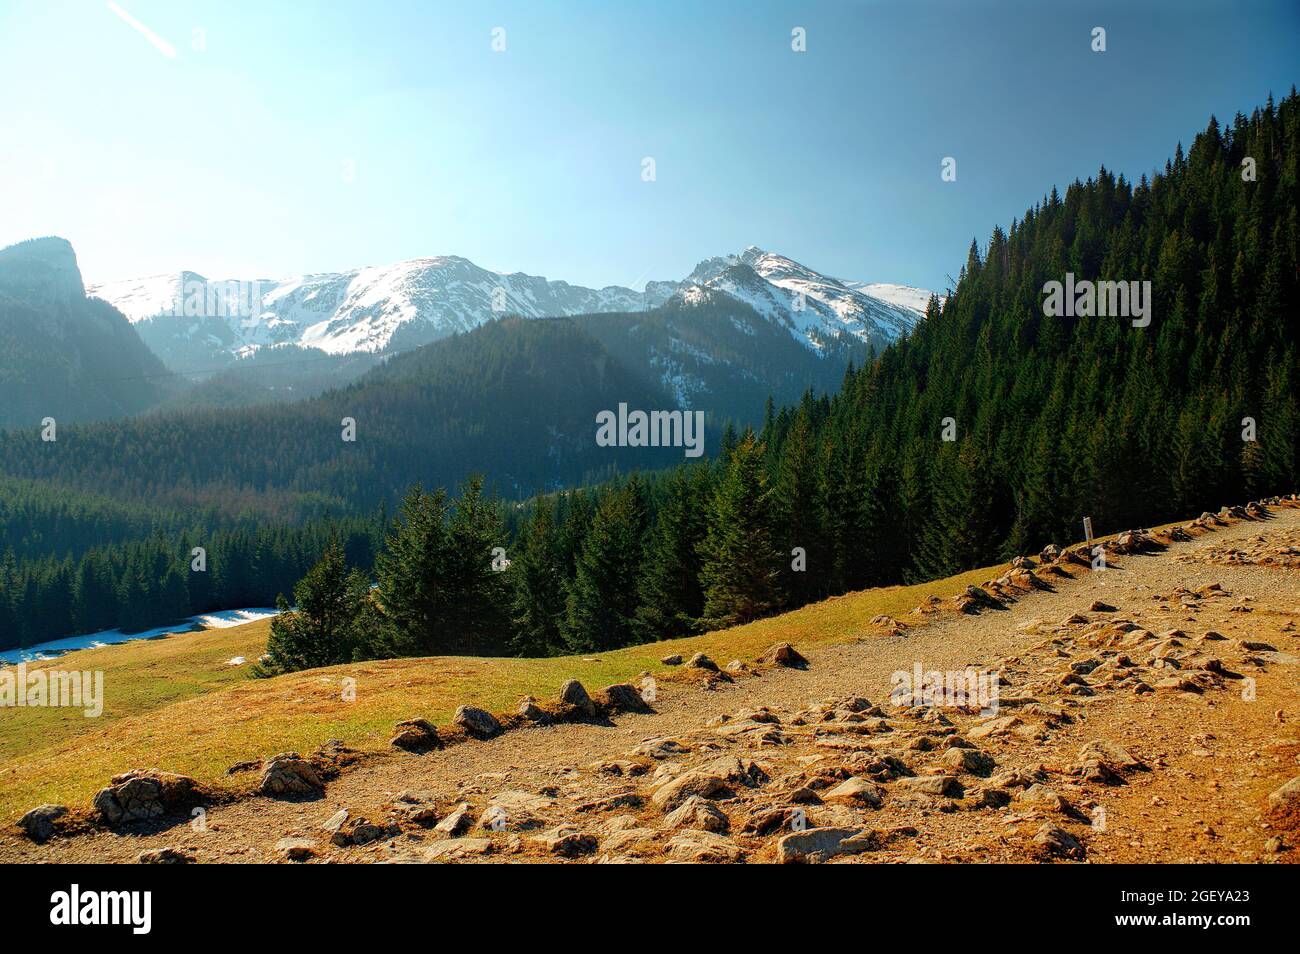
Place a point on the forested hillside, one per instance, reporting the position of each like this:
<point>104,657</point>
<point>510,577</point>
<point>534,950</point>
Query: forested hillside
<point>514,399</point>
<point>64,356</point>
<point>1051,419</point>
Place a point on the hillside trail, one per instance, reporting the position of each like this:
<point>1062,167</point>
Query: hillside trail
<point>1147,712</point>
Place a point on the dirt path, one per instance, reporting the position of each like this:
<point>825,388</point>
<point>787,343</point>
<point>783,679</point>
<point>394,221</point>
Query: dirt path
<point>1202,749</point>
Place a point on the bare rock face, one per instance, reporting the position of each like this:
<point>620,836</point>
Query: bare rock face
<point>143,794</point>
<point>479,723</point>
<point>783,654</point>
<point>415,735</point>
<point>38,824</point>
<point>288,775</point>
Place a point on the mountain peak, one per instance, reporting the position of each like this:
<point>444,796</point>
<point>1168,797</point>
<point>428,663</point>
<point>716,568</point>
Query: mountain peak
<point>41,269</point>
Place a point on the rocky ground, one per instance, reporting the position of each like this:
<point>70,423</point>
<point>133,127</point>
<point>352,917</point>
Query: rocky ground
<point>1146,712</point>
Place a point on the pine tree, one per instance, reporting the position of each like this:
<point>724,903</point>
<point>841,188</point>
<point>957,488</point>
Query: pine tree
<point>537,572</point>
<point>326,626</point>
<point>602,600</point>
<point>671,597</point>
<point>741,570</point>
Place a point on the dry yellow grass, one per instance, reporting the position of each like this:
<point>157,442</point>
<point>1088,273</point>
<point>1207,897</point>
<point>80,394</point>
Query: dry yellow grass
<point>175,703</point>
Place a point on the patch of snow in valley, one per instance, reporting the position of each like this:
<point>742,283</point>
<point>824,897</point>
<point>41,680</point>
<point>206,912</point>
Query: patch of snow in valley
<point>109,637</point>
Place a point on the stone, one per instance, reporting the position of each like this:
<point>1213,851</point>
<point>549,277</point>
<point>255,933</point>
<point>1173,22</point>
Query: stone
<point>1058,842</point>
<point>479,723</point>
<point>415,735</point>
<point>1098,606</point>
<point>567,842</point>
<point>288,775</point>
<point>38,824</point>
<point>335,821</point>
<point>971,761</point>
<point>1286,798</point>
<point>142,794</point>
<point>531,711</point>
<point>856,791</point>
<point>783,654</point>
<point>1112,754</point>
<point>816,845</point>
<point>938,785</point>
<point>573,693</point>
<point>1042,797</point>
<point>703,846</point>
<point>165,856</point>
<point>994,727</point>
<point>697,783</point>
<point>623,697</point>
<point>457,822</point>
<point>701,661</point>
<point>359,831</point>
<point>672,660</point>
<point>696,812</point>
<point>296,849</point>
<point>455,849</point>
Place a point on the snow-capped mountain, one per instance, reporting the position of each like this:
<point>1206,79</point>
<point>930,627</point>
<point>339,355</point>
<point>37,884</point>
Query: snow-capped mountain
<point>815,308</point>
<point>192,321</point>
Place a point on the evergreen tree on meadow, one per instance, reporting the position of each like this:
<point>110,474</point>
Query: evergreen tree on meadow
<point>603,601</point>
<point>328,622</point>
<point>741,568</point>
<point>538,574</point>
<point>672,599</point>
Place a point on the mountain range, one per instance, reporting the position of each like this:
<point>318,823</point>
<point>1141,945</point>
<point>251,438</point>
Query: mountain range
<point>194,323</point>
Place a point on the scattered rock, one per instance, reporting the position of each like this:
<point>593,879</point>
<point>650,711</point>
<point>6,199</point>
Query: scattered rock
<point>931,785</point>
<point>572,693</point>
<point>38,824</point>
<point>457,822</point>
<point>703,846</point>
<point>296,849</point>
<point>696,812</point>
<point>817,845</point>
<point>623,697</point>
<point>1057,842</point>
<point>288,775</point>
<point>142,794</point>
<point>166,856</point>
<point>971,761</point>
<point>1286,798</point>
<point>857,791</point>
<point>673,660</point>
<point>783,654</point>
<point>415,735</point>
<point>567,842</point>
<point>701,661</point>
<point>479,723</point>
<point>455,849</point>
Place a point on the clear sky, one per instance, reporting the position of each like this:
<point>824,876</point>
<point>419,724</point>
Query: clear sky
<point>289,136</point>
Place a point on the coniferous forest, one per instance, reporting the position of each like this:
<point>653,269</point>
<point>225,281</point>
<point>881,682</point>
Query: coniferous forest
<point>989,431</point>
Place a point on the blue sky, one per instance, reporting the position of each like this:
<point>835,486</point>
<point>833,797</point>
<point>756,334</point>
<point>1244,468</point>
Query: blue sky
<point>304,136</point>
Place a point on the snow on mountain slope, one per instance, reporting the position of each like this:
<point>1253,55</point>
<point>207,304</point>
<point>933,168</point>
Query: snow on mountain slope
<point>395,307</point>
<point>814,307</point>
<point>905,296</point>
